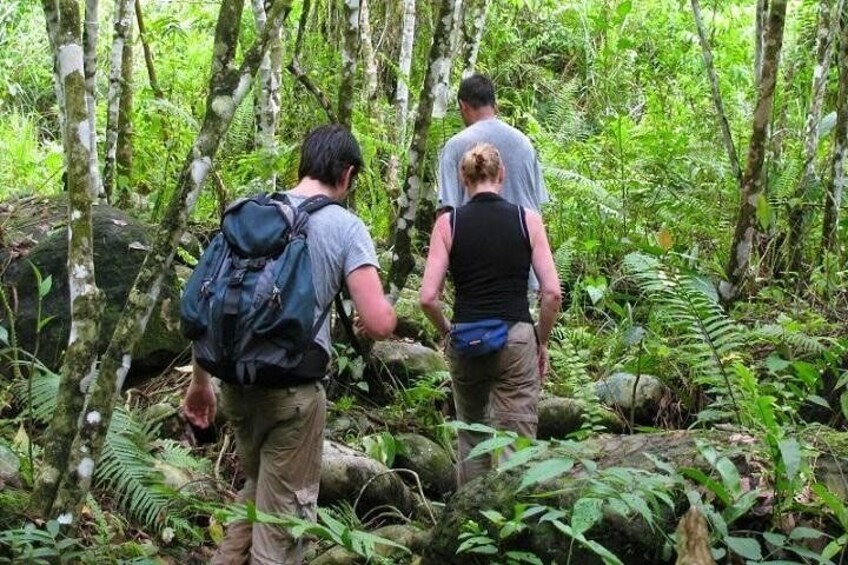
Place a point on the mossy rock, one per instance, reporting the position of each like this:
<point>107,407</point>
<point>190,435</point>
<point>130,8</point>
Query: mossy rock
<point>120,244</point>
<point>559,417</point>
<point>430,461</point>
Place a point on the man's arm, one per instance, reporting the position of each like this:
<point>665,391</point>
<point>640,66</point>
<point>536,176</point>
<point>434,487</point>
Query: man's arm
<point>200,404</point>
<point>376,313</point>
<point>434,275</point>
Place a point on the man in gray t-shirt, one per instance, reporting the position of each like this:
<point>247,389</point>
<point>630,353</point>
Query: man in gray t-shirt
<point>524,184</point>
<point>279,425</point>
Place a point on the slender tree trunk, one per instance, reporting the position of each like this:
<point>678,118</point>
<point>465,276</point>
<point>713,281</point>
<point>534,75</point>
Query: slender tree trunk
<point>721,114</point>
<point>368,55</point>
<point>148,53</point>
<point>123,21</point>
<point>80,360</point>
<point>407,40</point>
<point>474,35</point>
<point>833,190</point>
<point>445,65</point>
<point>411,196</point>
<point>124,152</point>
<point>760,25</point>
<point>228,86</point>
<point>51,18</point>
<point>350,48</point>
<point>301,76</point>
<point>752,181</point>
<point>798,211</point>
<point>267,98</point>
<point>90,30</point>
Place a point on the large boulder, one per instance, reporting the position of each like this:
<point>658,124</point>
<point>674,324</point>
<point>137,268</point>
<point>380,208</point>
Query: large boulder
<point>430,462</point>
<point>352,476</point>
<point>10,467</point>
<point>408,360</point>
<point>120,245</point>
<point>621,528</point>
<point>559,417</point>
<point>616,391</point>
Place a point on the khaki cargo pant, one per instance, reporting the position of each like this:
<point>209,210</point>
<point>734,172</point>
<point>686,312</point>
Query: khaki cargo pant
<point>279,439</point>
<point>501,391</point>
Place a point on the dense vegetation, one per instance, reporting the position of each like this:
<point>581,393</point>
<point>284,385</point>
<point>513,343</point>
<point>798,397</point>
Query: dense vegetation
<point>617,100</point>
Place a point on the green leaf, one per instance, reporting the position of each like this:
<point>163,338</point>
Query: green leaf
<point>546,470</point>
<point>763,211</point>
<point>701,478</point>
<point>523,456</point>
<point>842,382</point>
<point>44,286</point>
<point>748,548</point>
<point>790,452</point>
<point>774,538</point>
<point>523,557</point>
<point>494,516</point>
<point>802,532</point>
<point>492,444</point>
<point>623,10</point>
<point>585,514</point>
<point>843,402</point>
<point>729,476</point>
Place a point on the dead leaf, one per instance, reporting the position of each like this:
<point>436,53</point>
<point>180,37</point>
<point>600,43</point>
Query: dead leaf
<point>664,239</point>
<point>119,223</point>
<point>139,246</point>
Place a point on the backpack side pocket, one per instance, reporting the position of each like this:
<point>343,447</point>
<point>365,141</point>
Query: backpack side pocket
<point>194,305</point>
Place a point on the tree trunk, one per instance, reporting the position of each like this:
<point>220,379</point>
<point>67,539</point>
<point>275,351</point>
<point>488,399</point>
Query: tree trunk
<point>445,65</point>
<point>474,35</point>
<point>267,98</point>
<point>833,192</point>
<point>86,299</point>
<point>726,135</point>
<point>124,15</point>
<point>368,55</point>
<point>752,181</point>
<point>51,18</point>
<point>148,54</point>
<point>411,196</point>
<point>228,86</point>
<point>760,25</point>
<point>124,152</point>
<point>90,30</point>
<point>350,48</point>
<point>301,76</point>
<point>798,210</point>
<point>407,39</point>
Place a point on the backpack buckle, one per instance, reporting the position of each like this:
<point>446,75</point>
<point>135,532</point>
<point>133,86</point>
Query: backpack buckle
<point>237,277</point>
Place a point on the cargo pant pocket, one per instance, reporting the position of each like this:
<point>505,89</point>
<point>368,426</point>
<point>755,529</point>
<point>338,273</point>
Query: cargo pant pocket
<point>307,502</point>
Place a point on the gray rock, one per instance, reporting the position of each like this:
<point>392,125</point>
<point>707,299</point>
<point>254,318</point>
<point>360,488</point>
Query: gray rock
<point>10,467</point>
<point>408,360</point>
<point>406,535</point>
<point>119,250</point>
<point>430,461</point>
<point>616,391</point>
<point>560,416</point>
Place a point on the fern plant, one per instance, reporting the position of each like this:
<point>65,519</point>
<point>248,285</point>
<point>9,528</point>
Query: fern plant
<point>707,340</point>
<point>128,466</point>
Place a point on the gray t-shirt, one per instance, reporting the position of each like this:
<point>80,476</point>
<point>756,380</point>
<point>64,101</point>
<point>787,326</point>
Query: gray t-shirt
<point>339,244</point>
<point>523,185</point>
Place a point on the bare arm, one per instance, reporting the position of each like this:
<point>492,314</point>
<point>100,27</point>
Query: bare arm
<point>543,264</point>
<point>434,275</point>
<point>376,313</point>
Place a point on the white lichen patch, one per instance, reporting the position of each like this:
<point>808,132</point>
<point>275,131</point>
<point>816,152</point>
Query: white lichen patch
<point>242,88</point>
<point>85,468</point>
<point>79,272</point>
<point>200,169</point>
<point>224,107</point>
<point>84,134</point>
<point>93,417</point>
<point>65,518</point>
<point>76,215</point>
<point>70,60</point>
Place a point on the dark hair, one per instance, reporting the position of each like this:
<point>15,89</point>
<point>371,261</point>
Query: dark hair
<point>327,152</point>
<point>477,91</point>
<point>480,163</point>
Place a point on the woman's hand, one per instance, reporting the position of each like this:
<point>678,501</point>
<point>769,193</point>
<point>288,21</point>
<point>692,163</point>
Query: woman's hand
<point>544,365</point>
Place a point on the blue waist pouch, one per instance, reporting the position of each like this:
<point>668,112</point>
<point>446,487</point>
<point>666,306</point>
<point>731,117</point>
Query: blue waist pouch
<point>475,339</point>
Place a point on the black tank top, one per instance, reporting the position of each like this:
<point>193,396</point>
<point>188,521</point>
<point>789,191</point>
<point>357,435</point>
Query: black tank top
<point>490,261</point>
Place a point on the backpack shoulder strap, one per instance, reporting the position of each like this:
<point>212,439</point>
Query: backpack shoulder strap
<point>315,203</point>
<point>452,213</point>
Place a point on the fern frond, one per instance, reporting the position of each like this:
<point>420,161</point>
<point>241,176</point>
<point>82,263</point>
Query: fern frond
<point>708,339</point>
<point>776,334</point>
<point>580,186</point>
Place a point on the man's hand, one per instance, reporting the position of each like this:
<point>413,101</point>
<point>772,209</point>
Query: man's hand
<point>200,403</point>
<point>543,363</point>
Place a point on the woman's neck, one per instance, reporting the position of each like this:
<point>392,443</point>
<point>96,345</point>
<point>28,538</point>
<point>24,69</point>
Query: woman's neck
<point>484,187</point>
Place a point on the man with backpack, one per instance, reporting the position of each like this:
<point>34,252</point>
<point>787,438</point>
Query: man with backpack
<point>276,403</point>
